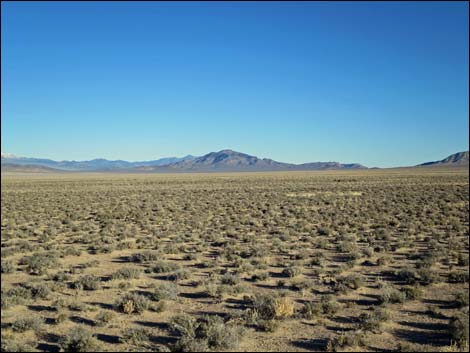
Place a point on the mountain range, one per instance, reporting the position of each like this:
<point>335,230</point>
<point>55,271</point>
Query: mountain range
<point>222,161</point>
<point>225,160</point>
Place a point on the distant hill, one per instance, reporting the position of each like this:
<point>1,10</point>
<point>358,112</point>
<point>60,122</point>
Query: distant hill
<point>92,165</point>
<point>27,168</point>
<point>456,159</point>
<point>228,160</point>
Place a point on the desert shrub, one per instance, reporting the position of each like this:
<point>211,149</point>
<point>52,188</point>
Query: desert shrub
<point>217,333</point>
<point>459,277</point>
<point>369,252</point>
<point>291,271</point>
<point>8,267</point>
<point>23,324</point>
<point>271,306</point>
<point>132,303</point>
<point>348,247</point>
<point>77,306</point>
<point>72,251</point>
<point>344,283</point>
<point>16,295</point>
<point>104,317</point>
<point>322,244</point>
<point>213,290</point>
<point>461,299</point>
<point>102,249</point>
<point>145,256</point>
<point>135,336</point>
<point>427,261</point>
<point>60,317</point>
<point>459,327</point>
<point>230,279</point>
<point>90,264</point>
<point>302,254</point>
<point>372,321</point>
<point>61,276</point>
<point>191,344</point>
<point>88,282</point>
<point>407,275</point>
<point>317,259</point>
<point>159,306</point>
<point>11,345</point>
<point>79,339</point>
<point>310,311</point>
<point>179,275</point>
<point>164,266</point>
<point>329,305</point>
<point>412,292</point>
<point>184,325</point>
<point>344,340</point>
<point>300,284</point>
<point>37,290</point>
<point>59,304</point>
<point>122,245</point>
<point>268,325</point>
<point>260,276</point>
<point>39,263</point>
<point>427,276</point>
<point>166,291</point>
<point>126,273</point>
<point>391,295</point>
<point>124,285</point>
<point>190,257</point>
<point>383,260</point>
<point>210,332</point>
<point>462,260</point>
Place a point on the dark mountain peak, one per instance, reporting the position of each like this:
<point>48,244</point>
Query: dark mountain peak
<point>456,159</point>
<point>99,160</point>
<point>230,153</point>
<point>459,157</point>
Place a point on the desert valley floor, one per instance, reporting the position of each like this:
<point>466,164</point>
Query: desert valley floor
<point>367,260</point>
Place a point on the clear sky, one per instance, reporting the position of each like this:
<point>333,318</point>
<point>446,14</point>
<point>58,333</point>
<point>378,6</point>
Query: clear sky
<point>383,84</point>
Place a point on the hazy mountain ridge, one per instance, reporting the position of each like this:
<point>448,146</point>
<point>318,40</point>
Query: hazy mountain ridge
<point>28,168</point>
<point>456,159</point>
<point>91,165</point>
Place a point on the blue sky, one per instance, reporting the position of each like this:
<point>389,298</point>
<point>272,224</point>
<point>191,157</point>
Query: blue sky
<point>383,84</point>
